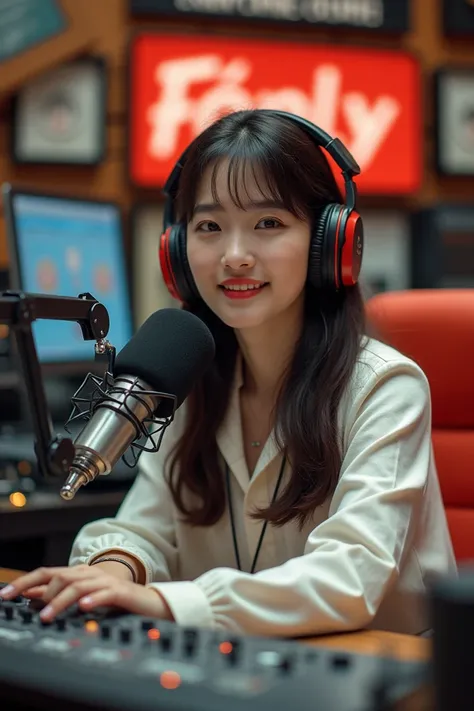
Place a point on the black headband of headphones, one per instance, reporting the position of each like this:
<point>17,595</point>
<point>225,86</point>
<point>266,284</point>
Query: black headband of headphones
<point>333,146</point>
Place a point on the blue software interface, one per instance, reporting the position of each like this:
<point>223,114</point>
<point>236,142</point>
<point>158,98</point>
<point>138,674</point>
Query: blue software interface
<point>67,247</point>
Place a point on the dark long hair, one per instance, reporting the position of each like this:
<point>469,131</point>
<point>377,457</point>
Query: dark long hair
<point>305,417</point>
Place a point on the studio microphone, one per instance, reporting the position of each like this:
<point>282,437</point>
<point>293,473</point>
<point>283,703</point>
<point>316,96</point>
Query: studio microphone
<point>153,374</point>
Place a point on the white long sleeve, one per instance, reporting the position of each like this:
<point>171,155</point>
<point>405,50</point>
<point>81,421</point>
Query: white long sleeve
<point>351,560</point>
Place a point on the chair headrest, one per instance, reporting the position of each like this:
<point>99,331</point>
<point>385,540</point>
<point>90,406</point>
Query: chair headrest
<point>435,328</point>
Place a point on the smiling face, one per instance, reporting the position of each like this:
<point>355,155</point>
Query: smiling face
<point>250,260</point>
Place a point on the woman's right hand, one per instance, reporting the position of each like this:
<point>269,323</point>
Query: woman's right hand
<point>88,585</point>
<point>117,570</point>
<point>111,567</point>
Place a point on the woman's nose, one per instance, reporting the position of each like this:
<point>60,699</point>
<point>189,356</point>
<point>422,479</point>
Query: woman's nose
<point>237,254</point>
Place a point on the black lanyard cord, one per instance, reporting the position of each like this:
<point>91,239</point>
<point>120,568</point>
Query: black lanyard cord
<point>232,520</point>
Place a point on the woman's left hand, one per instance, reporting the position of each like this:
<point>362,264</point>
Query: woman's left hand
<point>90,587</point>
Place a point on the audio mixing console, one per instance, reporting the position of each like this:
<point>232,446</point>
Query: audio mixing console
<point>126,662</point>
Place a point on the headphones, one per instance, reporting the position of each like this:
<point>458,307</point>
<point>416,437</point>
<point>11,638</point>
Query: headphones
<point>337,239</point>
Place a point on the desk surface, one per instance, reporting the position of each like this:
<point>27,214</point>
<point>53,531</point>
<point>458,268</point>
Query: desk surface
<point>365,642</point>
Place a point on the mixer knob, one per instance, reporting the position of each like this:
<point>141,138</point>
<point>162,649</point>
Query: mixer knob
<point>230,649</point>
<point>189,642</point>
<point>165,641</point>
<point>61,623</point>
<point>286,665</point>
<point>147,625</point>
<point>125,634</point>
<point>26,614</point>
<point>105,631</point>
<point>8,611</point>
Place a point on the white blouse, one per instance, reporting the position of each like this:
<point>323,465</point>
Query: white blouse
<point>364,559</point>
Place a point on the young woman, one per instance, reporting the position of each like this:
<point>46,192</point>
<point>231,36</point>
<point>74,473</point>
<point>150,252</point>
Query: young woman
<point>295,493</point>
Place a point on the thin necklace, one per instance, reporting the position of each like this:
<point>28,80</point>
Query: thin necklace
<point>265,524</point>
<point>255,442</point>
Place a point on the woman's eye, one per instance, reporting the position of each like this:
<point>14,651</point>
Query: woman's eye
<point>208,227</point>
<point>268,223</point>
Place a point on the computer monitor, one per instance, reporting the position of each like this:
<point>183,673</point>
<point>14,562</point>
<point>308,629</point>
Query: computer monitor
<point>66,246</point>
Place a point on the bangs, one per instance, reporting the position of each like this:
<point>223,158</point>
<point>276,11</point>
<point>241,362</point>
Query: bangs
<point>250,176</point>
<point>268,174</point>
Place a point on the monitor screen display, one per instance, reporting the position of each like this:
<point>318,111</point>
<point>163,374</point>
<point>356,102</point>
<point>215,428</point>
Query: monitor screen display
<point>66,247</point>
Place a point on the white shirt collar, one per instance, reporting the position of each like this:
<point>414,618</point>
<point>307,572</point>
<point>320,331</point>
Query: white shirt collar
<point>230,441</point>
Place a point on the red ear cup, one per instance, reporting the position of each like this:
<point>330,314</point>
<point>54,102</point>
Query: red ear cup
<point>352,250</point>
<point>174,264</point>
<point>336,249</point>
<point>166,265</point>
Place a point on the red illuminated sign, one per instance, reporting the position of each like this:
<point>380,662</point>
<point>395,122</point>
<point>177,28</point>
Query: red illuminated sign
<point>369,98</point>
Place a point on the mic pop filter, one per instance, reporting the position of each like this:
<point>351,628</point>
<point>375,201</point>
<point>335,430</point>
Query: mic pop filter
<point>170,352</point>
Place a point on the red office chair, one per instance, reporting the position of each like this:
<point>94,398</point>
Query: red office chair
<point>435,327</point>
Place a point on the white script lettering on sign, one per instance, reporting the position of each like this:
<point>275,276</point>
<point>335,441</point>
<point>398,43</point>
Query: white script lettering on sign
<point>179,104</point>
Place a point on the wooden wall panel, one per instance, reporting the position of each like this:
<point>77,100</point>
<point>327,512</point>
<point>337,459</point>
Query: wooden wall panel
<point>109,180</point>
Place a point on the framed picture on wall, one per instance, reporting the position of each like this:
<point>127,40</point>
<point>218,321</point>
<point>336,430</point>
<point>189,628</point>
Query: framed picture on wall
<point>60,117</point>
<point>387,251</point>
<point>454,111</point>
<point>443,247</point>
<point>148,288</point>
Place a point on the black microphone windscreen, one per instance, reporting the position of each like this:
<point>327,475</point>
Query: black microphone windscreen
<point>170,352</point>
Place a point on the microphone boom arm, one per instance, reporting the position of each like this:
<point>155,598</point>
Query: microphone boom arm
<point>18,310</point>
